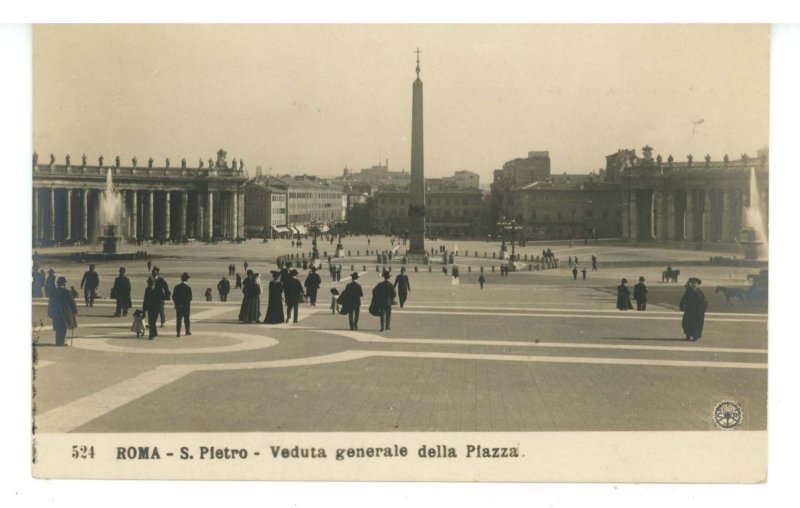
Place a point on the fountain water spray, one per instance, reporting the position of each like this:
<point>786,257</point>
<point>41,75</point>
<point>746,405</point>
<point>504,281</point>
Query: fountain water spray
<point>110,206</point>
<point>755,219</point>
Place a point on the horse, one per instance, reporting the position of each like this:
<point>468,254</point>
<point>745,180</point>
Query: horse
<point>740,293</point>
<point>670,275</point>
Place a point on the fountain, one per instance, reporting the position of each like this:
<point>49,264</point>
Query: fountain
<point>755,234</point>
<point>110,206</point>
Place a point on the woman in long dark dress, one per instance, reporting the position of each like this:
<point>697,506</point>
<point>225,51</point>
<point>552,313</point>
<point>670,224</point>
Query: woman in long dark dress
<point>275,302</point>
<point>250,310</point>
<point>624,296</point>
<point>694,305</point>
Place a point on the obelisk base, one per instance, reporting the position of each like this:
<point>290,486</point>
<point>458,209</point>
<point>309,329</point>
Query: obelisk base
<point>418,258</point>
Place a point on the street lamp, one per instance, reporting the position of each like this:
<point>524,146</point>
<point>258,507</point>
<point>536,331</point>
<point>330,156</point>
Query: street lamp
<point>340,223</point>
<point>506,225</point>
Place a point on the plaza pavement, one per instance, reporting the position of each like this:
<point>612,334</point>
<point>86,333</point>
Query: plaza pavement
<point>534,351</point>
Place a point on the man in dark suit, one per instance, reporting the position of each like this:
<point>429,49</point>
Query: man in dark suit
<point>162,286</point>
<point>182,296</point>
<point>121,292</point>
<point>293,292</point>
<point>224,287</point>
<point>402,285</point>
<point>90,283</point>
<point>152,303</point>
<point>640,295</point>
<point>383,295</point>
<point>350,300</point>
<point>312,283</point>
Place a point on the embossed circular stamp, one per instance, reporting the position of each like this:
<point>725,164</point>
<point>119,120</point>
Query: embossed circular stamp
<point>728,415</point>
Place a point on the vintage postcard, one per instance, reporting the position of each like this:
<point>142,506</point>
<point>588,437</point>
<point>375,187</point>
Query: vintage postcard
<point>533,253</point>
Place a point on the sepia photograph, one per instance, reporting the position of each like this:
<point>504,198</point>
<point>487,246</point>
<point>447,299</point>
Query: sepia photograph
<point>501,252</point>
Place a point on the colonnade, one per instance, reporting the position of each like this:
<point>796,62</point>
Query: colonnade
<point>72,215</point>
<point>694,214</point>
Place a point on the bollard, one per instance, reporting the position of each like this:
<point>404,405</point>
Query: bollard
<point>429,268</point>
<point>377,269</point>
<point>530,267</point>
<point>364,268</point>
<point>352,268</point>
<point>526,257</point>
<point>416,268</point>
<point>358,253</point>
<point>348,253</point>
<point>494,255</point>
<point>469,268</point>
<point>492,268</point>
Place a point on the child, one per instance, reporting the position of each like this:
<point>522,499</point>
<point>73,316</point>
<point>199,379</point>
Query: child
<point>138,323</point>
<point>334,303</point>
<point>208,294</point>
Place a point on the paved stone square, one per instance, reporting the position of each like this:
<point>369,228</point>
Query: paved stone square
<point>534,351</point>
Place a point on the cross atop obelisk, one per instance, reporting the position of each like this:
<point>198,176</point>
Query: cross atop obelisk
<point>416,210</point>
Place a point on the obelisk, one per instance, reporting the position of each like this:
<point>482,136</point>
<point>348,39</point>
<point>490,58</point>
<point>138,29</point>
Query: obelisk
<point>416,210</point>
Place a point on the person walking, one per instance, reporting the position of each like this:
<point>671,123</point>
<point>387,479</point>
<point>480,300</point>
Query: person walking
<point>583,272</point>
<point>182,297</point>
<point>339,273</point>
<point>223,287</point>
<point>624,296</point>
<point>403,286</point>
<point>121,292</point>
<point>575,272</point>
<point>62,310</point>
<point>250,310</point>
<point>149,265</point>
<point>274,315</point>
<point>383,295</point>
<point>38,283</point>
<point>238,281</point>
<point>312,284</point>
<point>350,301</point>
<point>161,285</point>
<point>594,263</point>
<point>640,295</point>
<point>481,280</point>
<point>294,292</point>
<point>152,303</point>
<point>89,284</point>
<point>694,306</point>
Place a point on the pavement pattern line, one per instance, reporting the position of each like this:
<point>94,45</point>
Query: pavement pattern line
<point>437,306</point>
<point>44,363</point>
<point>85,409</point>
<point>245,342</point>
<point>368,337</point>
<point>619,315</point>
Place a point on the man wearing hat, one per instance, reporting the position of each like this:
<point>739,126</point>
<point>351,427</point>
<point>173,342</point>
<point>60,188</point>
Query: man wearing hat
<point>121,292</point>
<point>152,303</point>
<point>383,295</point>
<point>161,285</point>
<point>293,291</point>
<point>312,283</point>
<point>403,286</point>
<point>224,287</point>
<point>694,305</point>
<point>90,283</point>
<point>624,296</point>
<point>182,296</point>
<point>640,295</point>
<point>350,301</point>
<point>62,310</point>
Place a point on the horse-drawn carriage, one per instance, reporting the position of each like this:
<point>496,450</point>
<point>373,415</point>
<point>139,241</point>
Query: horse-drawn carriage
<point>757,293</point>
<point>670,275</point>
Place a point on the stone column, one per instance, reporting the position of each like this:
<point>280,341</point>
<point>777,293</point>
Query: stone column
<point>200,217</point>
<point>660,223</point>
<point>134,215</point>
<point>210,214</point>
<point>98,222</point>
<point>52,214</point>
<point>689,217</point>
<point>669,232</point>
<point>36,225</point>
<point>727,228</point>
<point>634,214</point>
<point>705,223</point>
<point>150,208</point>
<point>167,217</point>
<point>236,215</point>
<point>124,227</point>
<point>68,235</point>
<point>626,215</point>
<point>85,215</point>
<point>184,210</point>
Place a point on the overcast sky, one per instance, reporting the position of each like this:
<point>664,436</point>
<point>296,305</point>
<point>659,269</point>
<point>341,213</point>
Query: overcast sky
<point>316,98</point>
